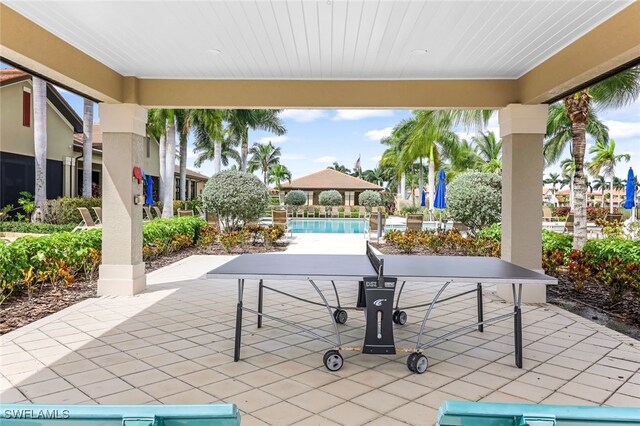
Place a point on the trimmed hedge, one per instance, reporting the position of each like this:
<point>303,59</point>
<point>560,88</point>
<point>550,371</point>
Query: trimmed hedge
<point>64,210</point>
<point>61,257</point>
<point>330,198</point>
<point>34,227</point>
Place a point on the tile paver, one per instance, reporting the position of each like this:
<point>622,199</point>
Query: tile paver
<point>174,344</point>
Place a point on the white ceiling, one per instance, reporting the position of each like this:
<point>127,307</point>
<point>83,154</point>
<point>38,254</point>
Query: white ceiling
<point>328,39</point>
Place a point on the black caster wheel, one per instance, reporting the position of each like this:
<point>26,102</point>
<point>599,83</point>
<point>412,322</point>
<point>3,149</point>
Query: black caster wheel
<point>333,360</point>
<point>417,363</point>
<point>411,361</point>
<point>400,317</point>
<point>340,316</point>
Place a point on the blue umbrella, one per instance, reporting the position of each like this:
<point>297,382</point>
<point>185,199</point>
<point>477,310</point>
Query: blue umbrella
<point>630,202</point>
<point>423,198</point>
<point>149,199</point>
<point>441,190</point>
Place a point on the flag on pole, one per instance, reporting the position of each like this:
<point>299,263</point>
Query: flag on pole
<point>357,165</point>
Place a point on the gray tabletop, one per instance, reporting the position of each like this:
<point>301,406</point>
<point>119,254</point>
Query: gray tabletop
<point>353,267</point>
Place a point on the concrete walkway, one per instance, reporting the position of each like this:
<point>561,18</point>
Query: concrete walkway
<point>174,344</point>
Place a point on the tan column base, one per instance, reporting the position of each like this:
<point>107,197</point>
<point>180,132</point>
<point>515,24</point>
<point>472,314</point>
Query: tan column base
<point>121,280</point>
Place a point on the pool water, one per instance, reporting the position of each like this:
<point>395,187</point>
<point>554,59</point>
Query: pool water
<point>327,226</point>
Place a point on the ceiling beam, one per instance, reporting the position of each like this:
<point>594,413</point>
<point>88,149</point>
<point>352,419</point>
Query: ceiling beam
<point>327,93</point>
<point>609,46</point>
<point>36,50</point>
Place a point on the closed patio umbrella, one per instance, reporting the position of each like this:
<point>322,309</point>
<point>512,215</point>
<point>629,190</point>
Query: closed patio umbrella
<point>149,199</point>
<point>423,198</point>
<point>441,190</point>
<point>630,201</point>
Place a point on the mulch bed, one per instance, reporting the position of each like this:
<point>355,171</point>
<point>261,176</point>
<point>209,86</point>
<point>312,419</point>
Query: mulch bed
<point>21,310</point>
<point>593,302</point>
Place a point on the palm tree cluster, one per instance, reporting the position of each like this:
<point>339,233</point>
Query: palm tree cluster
<point>217,134</point>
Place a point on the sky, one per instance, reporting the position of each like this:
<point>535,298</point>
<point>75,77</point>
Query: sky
<point>317,138</point>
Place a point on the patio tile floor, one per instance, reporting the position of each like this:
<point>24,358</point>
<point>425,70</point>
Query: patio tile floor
<point>174,344</point>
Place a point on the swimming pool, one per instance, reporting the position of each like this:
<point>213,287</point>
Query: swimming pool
<point>327,226</point>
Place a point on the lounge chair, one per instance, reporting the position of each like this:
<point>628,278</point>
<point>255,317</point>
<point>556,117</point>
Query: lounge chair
<point>613,217</point>
<point>414,221</point>
<point>156,209</point>
<point>373,225</point>
<point>147,212</point>
<point>335,212</point>
<point>289,211</point>
<point>87,220</point>
<point>322,211</point>
<point>182,213</point>
<point>547,216</point>
<point>98,212</point>
<point>300,212</point>
<point>568,224</point>
<point>347,212</point>
<point>362,211</point>
<point>279,217</point>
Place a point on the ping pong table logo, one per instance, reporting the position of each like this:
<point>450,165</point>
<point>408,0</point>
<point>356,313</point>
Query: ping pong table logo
<point>378,302</point>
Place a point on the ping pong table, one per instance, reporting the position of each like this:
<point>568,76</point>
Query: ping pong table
<point>378,277</point>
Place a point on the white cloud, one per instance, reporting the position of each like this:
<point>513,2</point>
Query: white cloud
<point>623,129</point>
<point>303,115</point>
<point>293,157</point>
<point>376,135</point>
<point>377,158</point>
<point>325,159</point>
<point>273,139</point>
<point>359,114</point>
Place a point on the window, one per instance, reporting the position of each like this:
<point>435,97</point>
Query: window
<point>349,198</point>
<point>309,198</point>
<point>26,107</point>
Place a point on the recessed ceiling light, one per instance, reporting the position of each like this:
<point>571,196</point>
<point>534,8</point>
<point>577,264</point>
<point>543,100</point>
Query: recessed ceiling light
<point>419,52</point>
<point>214,51</point>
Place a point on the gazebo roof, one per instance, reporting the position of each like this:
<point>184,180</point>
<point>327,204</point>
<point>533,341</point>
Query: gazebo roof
<point>331,179</point>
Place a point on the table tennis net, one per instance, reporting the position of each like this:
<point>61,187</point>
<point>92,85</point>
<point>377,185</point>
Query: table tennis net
<point>376,262</point>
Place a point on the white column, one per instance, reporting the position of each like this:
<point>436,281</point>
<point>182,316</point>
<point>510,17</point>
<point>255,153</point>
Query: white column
<point>123,131</point>
<point>522,129</point>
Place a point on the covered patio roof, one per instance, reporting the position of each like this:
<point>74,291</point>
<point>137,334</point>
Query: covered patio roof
<point>321,54</point>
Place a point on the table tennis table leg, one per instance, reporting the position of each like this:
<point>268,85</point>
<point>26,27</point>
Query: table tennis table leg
<point>260,301</point>
<point>480,309</point>
<point>517,323</point>
<point>236,350</point>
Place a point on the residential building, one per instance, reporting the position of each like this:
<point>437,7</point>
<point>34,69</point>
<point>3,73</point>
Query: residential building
<point>350,187</point>
<point>594,199</point>
<point>64,145</point>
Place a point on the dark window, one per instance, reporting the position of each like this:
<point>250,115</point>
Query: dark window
<point>17,173</point>
<point>193,190</point>
<point>26,108</point>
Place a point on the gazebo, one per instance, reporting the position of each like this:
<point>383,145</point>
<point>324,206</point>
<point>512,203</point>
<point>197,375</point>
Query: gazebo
<point>516,57</point>
<point>350,187</point>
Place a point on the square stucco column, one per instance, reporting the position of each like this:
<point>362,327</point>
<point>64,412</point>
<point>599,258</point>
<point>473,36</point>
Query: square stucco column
<point>522,128</point>
<point>122,268</point>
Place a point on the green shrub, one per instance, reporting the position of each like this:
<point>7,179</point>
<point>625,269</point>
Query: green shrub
<point>609,248</point>
<point>237,197</point>
<point>64,210</point>
<point>330,198</point>
<point>556,241</point>
<point>233,238</point>
<point>370,199</point>
<point>491,232</point>
<point>618,277</point>
<point>410,210</point>
<point>34,228</point>
<point>475,199</point>
<point>295,198</point>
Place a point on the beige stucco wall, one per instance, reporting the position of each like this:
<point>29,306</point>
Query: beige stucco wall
<point>18,139</point>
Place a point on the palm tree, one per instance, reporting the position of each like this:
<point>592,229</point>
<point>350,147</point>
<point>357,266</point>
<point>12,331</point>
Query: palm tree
<point>568,167</point>
<point>40,144</point>
<point>339,168</point>
<point>553,180</point>
<point>157,129</point>
<point>241,120</point>
<point>614,92</point>
<point>263,157</point>
<point>209,135</point>
<point>277,174</point>
<point>183,122</point>
<point>605,160</point>
<point>170,165</point>
<point>376,175</point>
<point>87,148</point>
<point>599,184</point>
<point>489,149</point>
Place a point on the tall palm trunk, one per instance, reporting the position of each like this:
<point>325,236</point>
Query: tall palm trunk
<point>40,144</point>
<point>217,160</point>
<point>264,174</point>
<point>87,148</point>
<point>244,150</point>
<point>403,185</point>
<point>611,195</point>
<point>183,165</point>
<point>577,106</point>
<point>603,201</point>
<point>162,154</point>
<point>432,180</point>
<point>170,164</point>
<point>421,177</point>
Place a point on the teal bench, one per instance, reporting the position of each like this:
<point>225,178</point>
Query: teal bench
<point>119,415</point>
<point>457,413</point>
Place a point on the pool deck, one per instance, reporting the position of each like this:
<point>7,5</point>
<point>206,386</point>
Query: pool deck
<point>174,344</point>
